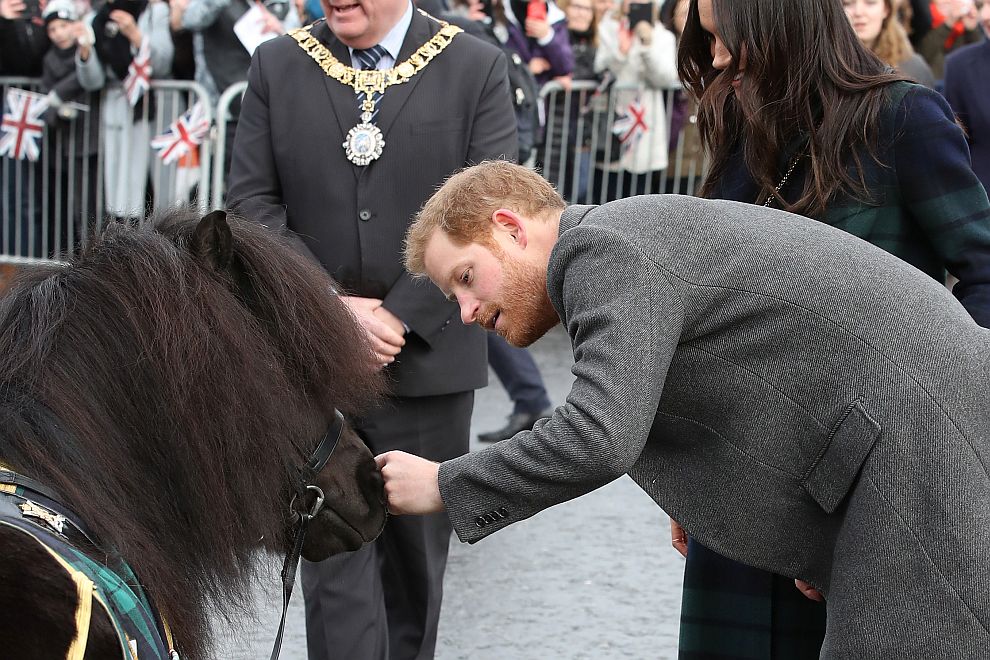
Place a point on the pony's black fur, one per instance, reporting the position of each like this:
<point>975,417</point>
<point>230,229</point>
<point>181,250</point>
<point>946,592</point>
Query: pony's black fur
<point>168,382</point>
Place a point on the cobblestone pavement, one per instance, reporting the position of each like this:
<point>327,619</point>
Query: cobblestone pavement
<point>592,579</point>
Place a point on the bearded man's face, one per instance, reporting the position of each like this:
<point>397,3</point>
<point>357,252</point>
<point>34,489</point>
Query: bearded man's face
<point>498,291</point>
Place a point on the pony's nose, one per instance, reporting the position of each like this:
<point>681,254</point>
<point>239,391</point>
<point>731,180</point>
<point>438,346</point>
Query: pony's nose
<point>373,480</point>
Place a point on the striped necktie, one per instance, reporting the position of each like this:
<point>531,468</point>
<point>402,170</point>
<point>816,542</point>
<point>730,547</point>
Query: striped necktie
<point>369,58</point>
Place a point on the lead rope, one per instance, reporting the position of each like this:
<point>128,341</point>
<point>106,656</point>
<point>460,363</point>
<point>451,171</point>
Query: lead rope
<point>291,564</point>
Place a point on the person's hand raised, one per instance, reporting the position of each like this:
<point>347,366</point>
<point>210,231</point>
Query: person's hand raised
<point>128,25</point>
<point>269,21</point>
<point>537,28</point>
<point>644,32</point>
<point>625,39</point>
<point>12,9</point>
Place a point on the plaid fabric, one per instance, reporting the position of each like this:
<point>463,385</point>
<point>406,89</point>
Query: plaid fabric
<point>133,615</point>
<point>929,209</point>
<point>729,610</point>
<point>928,206</point>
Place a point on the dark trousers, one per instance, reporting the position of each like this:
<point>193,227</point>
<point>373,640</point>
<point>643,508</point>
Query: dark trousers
<point>519,375</point>
<point>383,601</point>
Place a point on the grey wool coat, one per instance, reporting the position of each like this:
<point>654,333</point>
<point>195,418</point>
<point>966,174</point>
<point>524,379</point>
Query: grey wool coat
<point>798,399</point>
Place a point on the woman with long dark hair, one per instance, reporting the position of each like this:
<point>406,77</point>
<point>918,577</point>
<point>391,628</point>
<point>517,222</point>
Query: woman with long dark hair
<point>796,113</point>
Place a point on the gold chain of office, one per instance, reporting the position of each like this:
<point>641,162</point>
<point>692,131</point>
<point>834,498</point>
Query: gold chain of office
<point>374,81</point>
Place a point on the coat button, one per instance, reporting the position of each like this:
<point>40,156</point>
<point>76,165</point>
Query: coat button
<point>364,214</point>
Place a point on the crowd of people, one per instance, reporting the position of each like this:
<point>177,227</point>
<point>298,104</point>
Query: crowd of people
<point>79,49</point>
<point>807,106</point>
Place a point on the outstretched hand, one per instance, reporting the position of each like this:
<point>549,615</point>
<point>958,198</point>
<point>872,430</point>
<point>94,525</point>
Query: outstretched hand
<point>411,485</point>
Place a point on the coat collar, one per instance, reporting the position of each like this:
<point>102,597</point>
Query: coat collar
<point>572,217</point>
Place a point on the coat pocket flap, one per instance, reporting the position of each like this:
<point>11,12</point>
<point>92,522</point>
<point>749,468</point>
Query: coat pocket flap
<point>850,442</point>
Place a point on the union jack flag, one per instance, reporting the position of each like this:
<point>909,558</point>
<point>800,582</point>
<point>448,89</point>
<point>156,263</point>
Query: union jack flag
<point>630,126</point>
<point>138,80</point>
<point>183,135</point>
<point>22,125</point>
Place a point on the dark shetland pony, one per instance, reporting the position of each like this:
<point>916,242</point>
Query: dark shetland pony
<point>168,382</point>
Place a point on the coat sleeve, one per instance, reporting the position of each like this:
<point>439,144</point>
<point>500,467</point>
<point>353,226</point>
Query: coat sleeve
<point>607,56</point>
<point>660,59</point>
<point>92,75</point>
<point>943,196</point>
<point>254,188</point>
<point>156,30</point>
<point>558,52</point>
<point>624,319</point>
<point>419,304</point>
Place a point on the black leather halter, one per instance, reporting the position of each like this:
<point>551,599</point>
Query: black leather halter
<point>305,484</point>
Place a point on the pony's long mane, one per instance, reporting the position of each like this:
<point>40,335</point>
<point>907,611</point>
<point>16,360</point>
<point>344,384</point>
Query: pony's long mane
<point>170,404</point>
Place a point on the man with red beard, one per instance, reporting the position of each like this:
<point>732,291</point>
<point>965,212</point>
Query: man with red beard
<point>346,128</point>
<point>797,398</point>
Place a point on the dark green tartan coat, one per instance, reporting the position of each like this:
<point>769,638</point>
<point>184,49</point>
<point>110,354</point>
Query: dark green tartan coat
<point>929,209</point>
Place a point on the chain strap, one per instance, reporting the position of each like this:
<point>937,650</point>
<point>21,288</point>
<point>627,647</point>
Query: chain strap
<point>783,182</point>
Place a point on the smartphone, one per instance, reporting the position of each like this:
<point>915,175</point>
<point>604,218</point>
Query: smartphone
<point>32,10</point>
<point>536,9</point>
<point>639,12</point>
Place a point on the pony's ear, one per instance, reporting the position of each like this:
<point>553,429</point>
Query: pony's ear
<point>212,242</point>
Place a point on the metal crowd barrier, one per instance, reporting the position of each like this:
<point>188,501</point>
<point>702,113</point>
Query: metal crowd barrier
<point>225,116</point>
<point>599,142</point>
<point>50,205</point>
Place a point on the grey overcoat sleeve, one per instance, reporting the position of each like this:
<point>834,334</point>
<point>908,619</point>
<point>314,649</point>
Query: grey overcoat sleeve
<point>624,319</point>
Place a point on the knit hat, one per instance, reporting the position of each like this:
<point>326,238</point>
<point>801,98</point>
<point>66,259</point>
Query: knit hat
<point>63,9</point>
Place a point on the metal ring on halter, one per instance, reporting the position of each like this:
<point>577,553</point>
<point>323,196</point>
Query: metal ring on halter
<point>317,505</point>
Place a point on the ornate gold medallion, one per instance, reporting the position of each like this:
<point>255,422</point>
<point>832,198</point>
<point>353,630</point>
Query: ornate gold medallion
<point>365,141</point>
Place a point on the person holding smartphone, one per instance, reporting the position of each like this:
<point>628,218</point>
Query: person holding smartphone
<point>641,56</point>
<point>537,31</point>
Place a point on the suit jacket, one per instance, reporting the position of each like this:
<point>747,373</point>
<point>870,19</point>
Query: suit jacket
<point>290,171</point>
<point>798,399</point>
<point>966,74</point>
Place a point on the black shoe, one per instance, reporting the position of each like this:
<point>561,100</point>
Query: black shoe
<point>517,422</point>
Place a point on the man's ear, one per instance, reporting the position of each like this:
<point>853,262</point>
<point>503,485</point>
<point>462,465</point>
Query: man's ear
<point>212,242</point>
<point>510,223</point>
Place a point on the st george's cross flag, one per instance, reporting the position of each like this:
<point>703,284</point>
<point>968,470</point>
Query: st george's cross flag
<point>183,135</point>
<point>138,80</point>
<point>22,125</point>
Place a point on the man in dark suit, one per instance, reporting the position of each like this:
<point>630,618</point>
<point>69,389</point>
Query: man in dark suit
<point>966,89</point>
<point>346,172</point>
<point>815,406</point>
